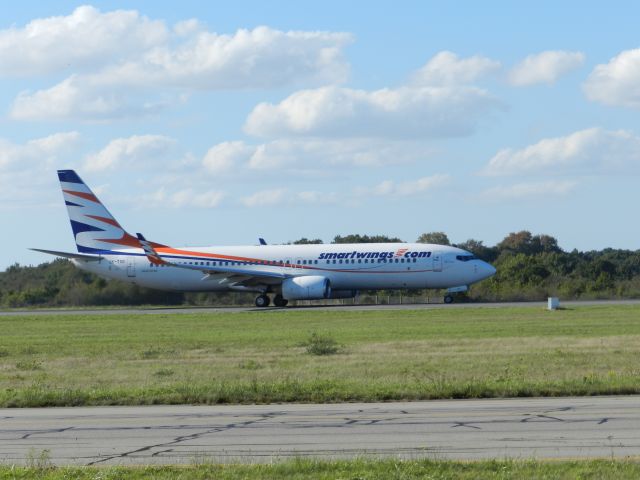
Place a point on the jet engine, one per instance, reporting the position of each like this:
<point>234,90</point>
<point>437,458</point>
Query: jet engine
<point>311,287</point>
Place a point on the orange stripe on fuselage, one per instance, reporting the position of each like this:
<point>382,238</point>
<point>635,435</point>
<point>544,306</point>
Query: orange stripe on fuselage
<point>216,256</point>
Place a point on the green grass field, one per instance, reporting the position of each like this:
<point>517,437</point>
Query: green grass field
<point>260,357</point>
<point>355,469</point>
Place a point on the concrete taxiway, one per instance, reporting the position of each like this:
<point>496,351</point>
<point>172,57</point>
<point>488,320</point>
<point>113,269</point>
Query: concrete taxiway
<point>346,306</point>
<point>451,429</point>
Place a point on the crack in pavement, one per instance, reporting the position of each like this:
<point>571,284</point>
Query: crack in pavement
<point>182,438</point>
<point>464,424</point>
<point>40,432</point>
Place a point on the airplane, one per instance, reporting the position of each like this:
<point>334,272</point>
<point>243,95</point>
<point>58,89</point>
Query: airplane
<point>288,272</point>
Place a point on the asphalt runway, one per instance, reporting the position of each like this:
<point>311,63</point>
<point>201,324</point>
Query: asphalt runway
<point>449,429</point>
<point>408,306</point>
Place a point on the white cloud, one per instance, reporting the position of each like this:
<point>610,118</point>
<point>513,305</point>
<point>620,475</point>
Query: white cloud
<point>265,198</point>
<point>37,152</point>
<point>309,154</point>
<point>587,151</point>
<point>187,197</point>
<point>387,188</point>
<point>284,196</point>
<point>26,169</point>
<point>315,197</point>
<point>545,67</point>
<point>325,157</point>
<point>85,38</point>
<point>227,156</point>
<point>404,189</point>
<point>530,190</point>
<point>136,151</point>
<point>616,83</point>
<point>446,69</point>
<point>76,98</point>
<point>404,112</point>
<point>132,66</point>
<point>258,58</point>
<point>191,198</point>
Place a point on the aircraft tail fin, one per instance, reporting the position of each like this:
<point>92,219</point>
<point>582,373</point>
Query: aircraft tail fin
<point>94,228</point>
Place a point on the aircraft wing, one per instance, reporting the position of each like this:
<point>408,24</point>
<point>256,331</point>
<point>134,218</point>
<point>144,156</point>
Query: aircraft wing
<point>234,275</point>
<point>76,256</point>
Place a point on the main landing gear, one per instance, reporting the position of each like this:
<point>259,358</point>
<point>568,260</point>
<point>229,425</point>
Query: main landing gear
<point>448,299</point>
<point>279,301</point>
<point>264,301</point>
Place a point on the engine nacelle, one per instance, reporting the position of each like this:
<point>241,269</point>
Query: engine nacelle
<point>311,287</point>
<point>343,293</point>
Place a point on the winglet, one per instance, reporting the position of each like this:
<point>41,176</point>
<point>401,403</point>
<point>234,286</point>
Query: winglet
<point>262,242</point>
<point>151,253</point>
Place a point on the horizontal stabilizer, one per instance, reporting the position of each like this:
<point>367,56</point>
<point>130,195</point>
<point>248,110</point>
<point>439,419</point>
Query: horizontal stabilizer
<point>77,256</point>
<point>149,251</point>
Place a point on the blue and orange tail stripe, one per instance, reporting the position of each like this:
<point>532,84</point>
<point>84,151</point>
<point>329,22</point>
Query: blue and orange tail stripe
<point>94,228</point>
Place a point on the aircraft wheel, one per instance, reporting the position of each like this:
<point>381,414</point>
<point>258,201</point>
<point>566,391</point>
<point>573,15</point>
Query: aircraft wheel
<point>448,299</point>
<point>278,301</point>
<point>262,301</point>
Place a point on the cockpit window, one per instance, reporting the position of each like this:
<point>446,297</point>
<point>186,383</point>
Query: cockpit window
<point>465,258</point>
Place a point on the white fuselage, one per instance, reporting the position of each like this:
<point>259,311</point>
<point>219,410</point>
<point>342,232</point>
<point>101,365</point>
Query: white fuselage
<point>347,266</point>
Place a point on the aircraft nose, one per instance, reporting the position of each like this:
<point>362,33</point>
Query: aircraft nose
<point>489,269</point>
<point>486,270</point>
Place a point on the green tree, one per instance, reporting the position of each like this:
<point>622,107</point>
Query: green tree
<point>478,248</point>
<point>357,238</point>
<point>525,242</point>
<point>306,241</point>
<point>439,238</point>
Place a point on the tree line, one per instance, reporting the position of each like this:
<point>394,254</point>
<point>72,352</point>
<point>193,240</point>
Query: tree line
<point>529,267</point>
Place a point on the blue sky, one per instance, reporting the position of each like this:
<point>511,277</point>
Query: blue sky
<point>216,124</point>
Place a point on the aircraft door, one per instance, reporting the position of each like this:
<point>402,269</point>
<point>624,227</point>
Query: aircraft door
<point>437,262</point>
<point>131,267</point>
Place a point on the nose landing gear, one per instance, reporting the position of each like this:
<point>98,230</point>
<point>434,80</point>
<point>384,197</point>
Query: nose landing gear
<point>448,298</point>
